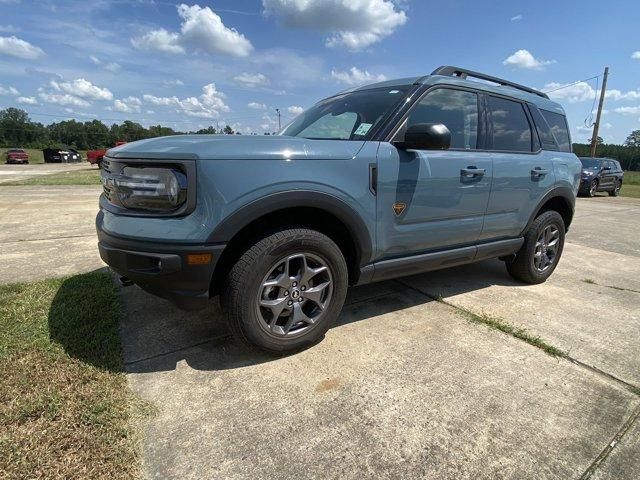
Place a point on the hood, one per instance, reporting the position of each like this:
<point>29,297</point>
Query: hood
<point>237,147</point>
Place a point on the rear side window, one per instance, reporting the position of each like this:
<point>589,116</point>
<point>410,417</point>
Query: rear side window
<point>542,127</point>
<point>558,124</point>
<point>457,109</point>
<point>511,129</point>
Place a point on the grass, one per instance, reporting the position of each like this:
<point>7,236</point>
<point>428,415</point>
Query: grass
<point>65,407</point>
<point>85,176</point>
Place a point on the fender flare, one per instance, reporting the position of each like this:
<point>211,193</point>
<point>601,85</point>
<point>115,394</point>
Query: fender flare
<point>563,192</point>
<point>333,205</point>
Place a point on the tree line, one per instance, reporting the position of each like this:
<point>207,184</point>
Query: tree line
<point>18,130</point>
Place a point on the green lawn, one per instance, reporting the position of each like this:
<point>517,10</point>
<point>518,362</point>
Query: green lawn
<point>85,176</point>
<point>65,407</point>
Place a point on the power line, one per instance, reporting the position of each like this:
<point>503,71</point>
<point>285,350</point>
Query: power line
<point>571,84</point>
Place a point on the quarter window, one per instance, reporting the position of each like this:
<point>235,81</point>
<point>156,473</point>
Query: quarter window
<point>558,124</point>
<point>456,109</point>
<point>511,129</point>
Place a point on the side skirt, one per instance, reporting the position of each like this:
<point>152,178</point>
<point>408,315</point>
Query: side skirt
<point>426,262</point>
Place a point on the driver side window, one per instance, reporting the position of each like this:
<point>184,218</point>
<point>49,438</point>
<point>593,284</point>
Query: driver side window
<point>456,109</point>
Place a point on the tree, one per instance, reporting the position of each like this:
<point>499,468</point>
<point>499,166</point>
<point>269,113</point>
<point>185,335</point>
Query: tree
<point>207,131</point>
<point>633,140</point>
<point>227,130</point>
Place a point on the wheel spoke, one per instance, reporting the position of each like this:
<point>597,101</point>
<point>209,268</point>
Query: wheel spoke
<point>276,306</point>
<point>279,281</point>
<point>297,316</point>
<point>314,294</point>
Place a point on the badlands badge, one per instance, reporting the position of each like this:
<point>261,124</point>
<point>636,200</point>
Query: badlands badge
<point>398,208</point>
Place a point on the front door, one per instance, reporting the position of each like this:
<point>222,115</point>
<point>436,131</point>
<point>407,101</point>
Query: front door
<point>432,200</point>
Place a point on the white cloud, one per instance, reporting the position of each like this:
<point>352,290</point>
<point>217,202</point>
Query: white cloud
<point>127,105</point>
<point>295,110</point>
<point>27,100</point>
<point>95,60</point>
<point>201,29</point>
<point>16,47</point>
<point>8,90</point>
<point>8,28</point>
<point>208,105</point>
<point>582,91</point>
<point>159,40</point>
<point>524,59</point>
<point>112,67</point>
<point>517,18</point>
<point>251,79</point>
<point>352,24</point>
<point>173,83</point>
<point>356,77</point>
<point>83,88</point>
<point>636,55</point>
<point>257,106</point>
<point>628,110</point>
<point>62,99</point>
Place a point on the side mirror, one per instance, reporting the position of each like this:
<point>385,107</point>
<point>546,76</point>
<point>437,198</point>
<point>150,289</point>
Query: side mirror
<point>426,136</point>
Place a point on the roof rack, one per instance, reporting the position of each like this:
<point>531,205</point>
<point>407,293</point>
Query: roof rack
<point>449,71</point>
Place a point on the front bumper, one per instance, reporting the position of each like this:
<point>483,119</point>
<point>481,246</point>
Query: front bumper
<point>161,268</point>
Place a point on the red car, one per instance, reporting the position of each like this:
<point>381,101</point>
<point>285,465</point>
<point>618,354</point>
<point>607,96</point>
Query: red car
<point>94,157</point>
<point>17,155</point>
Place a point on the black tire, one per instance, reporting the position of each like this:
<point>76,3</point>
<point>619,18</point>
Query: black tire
<point>523,267</point>
<point>245,288</point>
<point>616,190</point>
<point>593,188</point>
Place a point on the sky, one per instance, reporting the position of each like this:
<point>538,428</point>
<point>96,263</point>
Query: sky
<point>191,65</point>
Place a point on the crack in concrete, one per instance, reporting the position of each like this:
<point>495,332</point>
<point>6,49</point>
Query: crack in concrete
<point>48,238</point>
<point>176,350</point>
<point>588,473</point>
<point>632,388</point>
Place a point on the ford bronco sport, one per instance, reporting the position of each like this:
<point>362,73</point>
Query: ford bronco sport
<point>390,179</point>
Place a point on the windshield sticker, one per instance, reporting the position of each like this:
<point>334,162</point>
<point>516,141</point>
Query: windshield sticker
<point>362,129</point>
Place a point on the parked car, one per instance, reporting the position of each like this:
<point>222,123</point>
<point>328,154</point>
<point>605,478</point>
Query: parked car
<point>94,157</point>
<point>16,155</point>
<point>61,155</point>
<point>600,175</point>
<point>386,180</point>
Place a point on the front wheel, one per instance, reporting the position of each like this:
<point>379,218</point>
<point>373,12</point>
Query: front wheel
<point>285,291</point>
<point>541,251</point>
<point>616,190</point>
<point>593,188</point>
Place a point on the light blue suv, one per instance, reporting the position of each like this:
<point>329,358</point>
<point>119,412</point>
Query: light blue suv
<point>377,182</point>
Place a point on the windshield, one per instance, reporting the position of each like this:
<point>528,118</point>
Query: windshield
<point>350,116</point>
<point>590,163</point>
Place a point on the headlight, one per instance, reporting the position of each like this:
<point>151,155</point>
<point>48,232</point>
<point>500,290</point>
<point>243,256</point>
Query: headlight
<point>587,174</point>
<point>157,189</point>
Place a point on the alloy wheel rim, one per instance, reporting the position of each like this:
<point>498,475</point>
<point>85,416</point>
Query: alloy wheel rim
<point>546,250</point>
<point>294,295</point>
<point>594,188</point>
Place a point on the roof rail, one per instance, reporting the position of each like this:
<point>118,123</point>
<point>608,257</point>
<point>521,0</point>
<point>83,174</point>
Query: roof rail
<point>449,71</point>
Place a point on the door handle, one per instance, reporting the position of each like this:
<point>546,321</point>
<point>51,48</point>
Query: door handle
<point>471,172</point>
<point>539,172</point>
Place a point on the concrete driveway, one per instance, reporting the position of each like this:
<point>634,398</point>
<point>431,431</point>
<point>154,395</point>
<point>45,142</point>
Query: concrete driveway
<point>406,385</point>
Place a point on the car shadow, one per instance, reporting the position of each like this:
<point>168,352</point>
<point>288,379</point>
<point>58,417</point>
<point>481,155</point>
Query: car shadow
<point>157,336</point>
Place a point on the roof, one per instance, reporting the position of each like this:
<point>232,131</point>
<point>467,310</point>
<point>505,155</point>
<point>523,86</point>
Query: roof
<point>460,77</point>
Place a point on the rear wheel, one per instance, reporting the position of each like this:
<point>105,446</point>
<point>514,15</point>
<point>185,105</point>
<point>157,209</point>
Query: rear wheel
<point>616,190</point>
<point>593,188</point>
<point>285,291</point>
<point>541,251</point>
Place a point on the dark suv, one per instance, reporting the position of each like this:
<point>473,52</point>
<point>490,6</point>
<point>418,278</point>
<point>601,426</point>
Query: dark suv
<point>600,175</point>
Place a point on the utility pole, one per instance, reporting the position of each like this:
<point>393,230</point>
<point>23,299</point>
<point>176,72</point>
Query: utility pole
<point>596,126</point>
<point>278,112</point>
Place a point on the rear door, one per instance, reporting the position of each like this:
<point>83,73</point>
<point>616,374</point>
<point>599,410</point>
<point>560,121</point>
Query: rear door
<point>522,170</point>
<point>432,200</point>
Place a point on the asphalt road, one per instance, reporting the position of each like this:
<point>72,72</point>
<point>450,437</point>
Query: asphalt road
<point>403,386</point>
